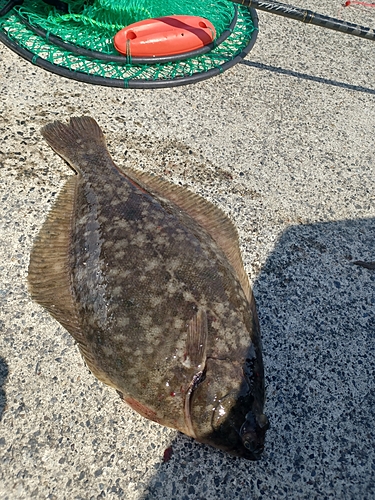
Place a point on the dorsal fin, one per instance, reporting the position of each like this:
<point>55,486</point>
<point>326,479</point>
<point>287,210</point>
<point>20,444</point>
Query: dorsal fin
<point>210,217</point>
<point>49,274</point>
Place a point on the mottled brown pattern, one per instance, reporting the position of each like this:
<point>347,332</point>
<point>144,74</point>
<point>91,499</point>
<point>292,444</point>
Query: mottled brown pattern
<point>163,310</point>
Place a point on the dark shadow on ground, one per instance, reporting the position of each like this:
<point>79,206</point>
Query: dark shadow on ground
<point>317,313</point>
<point>305,76</point>
<point>3,378</point>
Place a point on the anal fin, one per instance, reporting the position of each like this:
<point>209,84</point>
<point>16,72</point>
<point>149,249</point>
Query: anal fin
<point>49,268</point>
<point>49,274</point>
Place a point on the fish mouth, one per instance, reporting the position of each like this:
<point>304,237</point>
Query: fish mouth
<point>253,450</point>
<point>249,446</point>
<point>255,454</point>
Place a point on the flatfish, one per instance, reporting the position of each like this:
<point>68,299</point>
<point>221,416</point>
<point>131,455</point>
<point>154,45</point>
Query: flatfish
<point>148,279</point>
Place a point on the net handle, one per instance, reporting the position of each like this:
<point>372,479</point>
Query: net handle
<point>309,17</point>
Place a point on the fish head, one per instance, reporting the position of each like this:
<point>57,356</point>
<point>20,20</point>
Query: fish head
<point>252,433</point>
<point>226,408</point>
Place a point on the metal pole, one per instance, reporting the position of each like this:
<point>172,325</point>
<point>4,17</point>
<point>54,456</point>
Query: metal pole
<point>309,17</point>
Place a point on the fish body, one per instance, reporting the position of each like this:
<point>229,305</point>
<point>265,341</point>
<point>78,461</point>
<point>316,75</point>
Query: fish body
<point>148,279</point>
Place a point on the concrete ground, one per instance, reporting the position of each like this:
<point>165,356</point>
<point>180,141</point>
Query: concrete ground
<point>284,144</point>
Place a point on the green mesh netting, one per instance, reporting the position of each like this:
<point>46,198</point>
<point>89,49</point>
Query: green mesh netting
<point>79,44</point>
<point>94,25</point>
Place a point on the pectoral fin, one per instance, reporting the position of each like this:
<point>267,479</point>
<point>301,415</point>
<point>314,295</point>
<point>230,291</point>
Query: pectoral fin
<point>196,346</point>
<point>196,342</point>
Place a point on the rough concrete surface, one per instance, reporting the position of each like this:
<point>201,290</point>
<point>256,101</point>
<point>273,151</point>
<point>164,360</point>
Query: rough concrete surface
<point>284,144</point>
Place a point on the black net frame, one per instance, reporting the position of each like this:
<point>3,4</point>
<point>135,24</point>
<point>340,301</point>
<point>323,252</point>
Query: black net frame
<point>160,65</point>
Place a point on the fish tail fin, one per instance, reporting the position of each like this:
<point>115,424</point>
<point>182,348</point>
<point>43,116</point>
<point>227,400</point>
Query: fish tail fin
<point>80,138</point>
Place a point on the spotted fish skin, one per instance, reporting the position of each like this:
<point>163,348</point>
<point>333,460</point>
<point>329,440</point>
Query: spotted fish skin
<point>145,279</point>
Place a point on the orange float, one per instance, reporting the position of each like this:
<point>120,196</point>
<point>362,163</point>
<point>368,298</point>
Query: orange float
<point>164,36</point>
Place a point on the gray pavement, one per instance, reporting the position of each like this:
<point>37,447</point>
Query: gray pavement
<point>284,144</point>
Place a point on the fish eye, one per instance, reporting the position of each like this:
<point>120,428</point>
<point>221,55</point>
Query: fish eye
<point>247,444</point>
<point>252,444</point>
<point>252,429</point>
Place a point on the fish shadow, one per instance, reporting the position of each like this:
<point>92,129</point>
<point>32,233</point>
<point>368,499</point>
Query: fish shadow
<point>4,371</point>
<point>317,316</point>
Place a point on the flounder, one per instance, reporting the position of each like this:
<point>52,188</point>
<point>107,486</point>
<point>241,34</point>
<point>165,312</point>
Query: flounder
<point>148,279</point>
